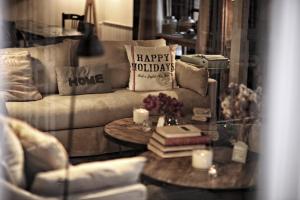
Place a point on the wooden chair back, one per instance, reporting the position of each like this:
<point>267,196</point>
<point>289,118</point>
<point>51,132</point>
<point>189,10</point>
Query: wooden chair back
<point>75,19</point>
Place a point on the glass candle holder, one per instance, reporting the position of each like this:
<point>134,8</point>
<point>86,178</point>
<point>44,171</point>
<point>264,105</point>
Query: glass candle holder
<point>140,115</point>
<point>202,158</point>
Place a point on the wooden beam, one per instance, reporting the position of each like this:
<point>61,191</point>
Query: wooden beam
<point>239,54</point>
<point>203,26</point>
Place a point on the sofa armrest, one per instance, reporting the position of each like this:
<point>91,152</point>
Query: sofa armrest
<point>128,192</point>
<point>90,177</point>
<point>9,191</point>
<point>212,93</point>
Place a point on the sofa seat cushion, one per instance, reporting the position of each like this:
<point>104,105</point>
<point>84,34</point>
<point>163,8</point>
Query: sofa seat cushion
<point>90,176</point>
<point>92,110</point>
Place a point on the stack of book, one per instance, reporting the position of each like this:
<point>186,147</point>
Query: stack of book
<point>208,61</point>
<point>201,114</point>
<point>177,141</point>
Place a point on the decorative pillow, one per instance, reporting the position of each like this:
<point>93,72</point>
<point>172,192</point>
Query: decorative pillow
<point>151,68</point>
<point>11,155</point>
<point>90,177</point>
<point>118,73</point>
<point>192,77</point>
<point>83,80</point>
<point>44,59</point>
<point>115,56</point>
<point>43,152</point>
<point>16,71</point>
<point>151,43</point>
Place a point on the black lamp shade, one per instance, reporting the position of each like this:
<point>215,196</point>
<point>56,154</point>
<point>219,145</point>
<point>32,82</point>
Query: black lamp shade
<point>89,45</point>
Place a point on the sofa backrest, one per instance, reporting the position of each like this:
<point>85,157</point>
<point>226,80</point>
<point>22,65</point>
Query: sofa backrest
<point>44,61</point>
<point>46,58</point>
<point>115,56</point>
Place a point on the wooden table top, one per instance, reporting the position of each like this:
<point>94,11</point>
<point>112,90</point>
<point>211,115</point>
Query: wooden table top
<point>126,131</point>
<point>179,171</point>
<point>46,31</point>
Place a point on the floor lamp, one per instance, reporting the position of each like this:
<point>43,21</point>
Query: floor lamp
<point>88,46</point>
<point>90,15</point>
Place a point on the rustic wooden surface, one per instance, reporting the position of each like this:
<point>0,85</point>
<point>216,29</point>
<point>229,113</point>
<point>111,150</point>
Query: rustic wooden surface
<point>178,39</point>
<point>127,131</point>
<point>179,171</point>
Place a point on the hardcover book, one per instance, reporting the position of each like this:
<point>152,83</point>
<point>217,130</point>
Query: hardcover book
<point>195,140</point>
<point>174,154</point>
<point>167,149</point>
<point>208,61</point>
<point>178,131</point>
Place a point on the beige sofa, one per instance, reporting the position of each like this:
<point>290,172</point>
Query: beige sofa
<point>92,111</point>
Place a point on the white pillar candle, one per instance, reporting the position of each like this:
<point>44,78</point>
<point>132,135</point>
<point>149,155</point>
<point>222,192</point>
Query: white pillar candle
<point>140,115</point>
<point>202,158</point>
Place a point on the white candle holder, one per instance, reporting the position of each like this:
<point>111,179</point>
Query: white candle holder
<point>140,115</point>
<point>202,158</point>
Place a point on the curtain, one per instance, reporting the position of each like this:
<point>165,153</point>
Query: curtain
<point>150,20</point>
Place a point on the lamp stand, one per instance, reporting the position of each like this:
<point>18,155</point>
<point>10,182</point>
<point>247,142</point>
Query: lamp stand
<point>90,13</point>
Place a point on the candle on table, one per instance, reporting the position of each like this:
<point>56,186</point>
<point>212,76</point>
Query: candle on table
<point>202,158</point>
<point>212,172</point>
<point>140,115</point>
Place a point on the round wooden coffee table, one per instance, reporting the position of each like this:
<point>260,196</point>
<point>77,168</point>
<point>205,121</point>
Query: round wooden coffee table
<point>126,132</point>
<point>179,171</point>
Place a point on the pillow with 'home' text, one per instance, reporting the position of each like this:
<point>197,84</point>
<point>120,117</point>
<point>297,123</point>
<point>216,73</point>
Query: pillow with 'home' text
<point>83,80</point>
<point>151,68</point>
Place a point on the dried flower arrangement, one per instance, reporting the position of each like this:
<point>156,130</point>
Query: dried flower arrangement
<point>243,106</point>
<point>241,102</point>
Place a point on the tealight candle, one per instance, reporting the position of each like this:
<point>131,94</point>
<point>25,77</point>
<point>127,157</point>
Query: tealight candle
<point>212,172</point>
<point>202,158</point>
<point>140,115</point>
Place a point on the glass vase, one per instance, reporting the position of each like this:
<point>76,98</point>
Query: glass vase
<point>171,120</point>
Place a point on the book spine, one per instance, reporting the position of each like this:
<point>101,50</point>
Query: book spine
<point>187,141</point>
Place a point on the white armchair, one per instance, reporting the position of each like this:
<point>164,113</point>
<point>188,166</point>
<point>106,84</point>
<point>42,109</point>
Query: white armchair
<point>44,165</point>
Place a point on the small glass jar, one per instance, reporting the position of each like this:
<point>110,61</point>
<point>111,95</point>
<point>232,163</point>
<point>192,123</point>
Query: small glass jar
<point>186,23</point>
<point>202,158</point>
<point>169,25</point>
<point>140,115</point>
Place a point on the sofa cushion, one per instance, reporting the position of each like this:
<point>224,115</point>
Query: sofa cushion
<point>151,68</point>
<point>92,110</point>
<point>44,61</point>
<point>43,152</point>
<point>83,80</point>
<point>115,56</point>
<point>194,78</point>
<point>16,71</point>
<point>151,43</point>
<point>129,192</point>
<point>90,176</point>
<point>11,155</point>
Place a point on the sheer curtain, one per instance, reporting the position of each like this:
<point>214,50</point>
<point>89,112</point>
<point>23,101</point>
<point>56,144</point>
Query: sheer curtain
<point>151,16</point>
<point>280,175</point>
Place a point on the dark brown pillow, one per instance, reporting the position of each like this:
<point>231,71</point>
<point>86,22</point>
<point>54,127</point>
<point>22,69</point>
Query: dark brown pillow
<point>83,80</point>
